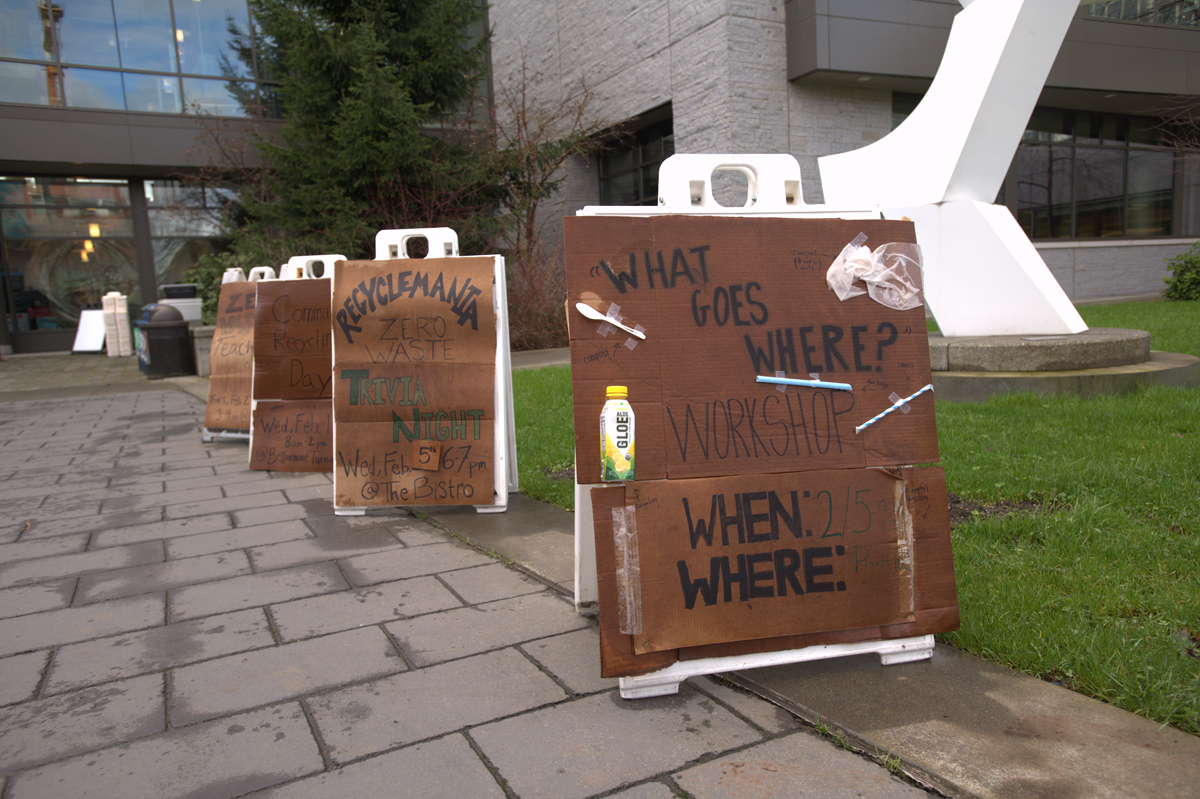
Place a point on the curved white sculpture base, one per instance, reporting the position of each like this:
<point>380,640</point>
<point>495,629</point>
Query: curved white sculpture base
<point>983,277</point>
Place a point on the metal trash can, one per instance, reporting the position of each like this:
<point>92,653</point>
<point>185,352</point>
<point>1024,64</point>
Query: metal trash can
<point>164,346</point>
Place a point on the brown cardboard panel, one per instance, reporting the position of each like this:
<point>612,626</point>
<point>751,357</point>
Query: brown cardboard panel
<point>414,381</point>
<point>230,359</point>
<point>375,465</point>
<point>617,658</point>
<point>760,556</point>
<point>936,597</point>
<point>722,301</point>
<point>293,353</point>
<point>292,436</point>
<point>417,393</point>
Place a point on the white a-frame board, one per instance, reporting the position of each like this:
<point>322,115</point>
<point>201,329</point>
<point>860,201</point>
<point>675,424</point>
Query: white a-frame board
<point>443,243</point>
<point>773,190</point>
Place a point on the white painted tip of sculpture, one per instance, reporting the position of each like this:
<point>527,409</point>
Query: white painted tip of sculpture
<point>261,273</point>
<point>983,277</point>
<point>443,242</point>
<point>303,267</point>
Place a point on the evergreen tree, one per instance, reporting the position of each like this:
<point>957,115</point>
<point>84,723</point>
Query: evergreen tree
<point>361,84</point>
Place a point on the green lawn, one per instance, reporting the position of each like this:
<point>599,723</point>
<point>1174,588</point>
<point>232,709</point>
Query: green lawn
<point>1100,589</point>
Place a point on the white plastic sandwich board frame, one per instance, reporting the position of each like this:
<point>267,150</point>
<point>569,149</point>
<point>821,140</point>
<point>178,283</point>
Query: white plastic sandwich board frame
<point>90,335</point>
<point>685,187</point>
<point>236,275</point>
<point>443,243</point>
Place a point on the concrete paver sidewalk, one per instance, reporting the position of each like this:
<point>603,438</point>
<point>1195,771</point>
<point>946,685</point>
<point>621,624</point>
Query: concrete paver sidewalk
<point>174,625</point>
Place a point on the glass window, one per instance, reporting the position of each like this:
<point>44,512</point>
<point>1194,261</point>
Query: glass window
<point>1099,192</point>
<point>67,222</point>
<point>1050,125</point>
<point>153,93</point>
<point>1151,185</point>
<point>1044,191</point>
<point>95,192</point>
<point>629,171</point>
<point>144,34</point>
<point>213,37</point>
<point>53,279</point>
<point>24,32</point>
<point>220,97</point>
<point>93,88</point>
<point>87,34</point>
<point>32,84</point>
<point>1178,12</point>
<point>174,257</point>
<point>173,194</point>
<point>1191,194</point>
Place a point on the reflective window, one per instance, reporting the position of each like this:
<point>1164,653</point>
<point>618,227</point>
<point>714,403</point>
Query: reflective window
<point>144,34</point>
<point>24,29</point>
<point>629,171</point>
<point>1099,192</point>
<point>33,84</point>
<point>1151,188</point>
<point>1191,194</point>
<point>153,93</point>
<point>1161,12</point>
<point>93,88</point>
<point>214,37</point>
<point>53,279</point>
<point>87,33</point>
<point>220,97</point>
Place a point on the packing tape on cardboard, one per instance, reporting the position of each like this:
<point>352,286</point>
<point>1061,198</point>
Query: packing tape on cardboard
<point>629,571</point>
<point>892,273</point>
<point>896,403</point>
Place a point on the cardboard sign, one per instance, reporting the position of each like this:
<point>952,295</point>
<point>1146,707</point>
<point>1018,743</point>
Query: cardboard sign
<point>414,382</point>
<point>230,359</point>
<point>817,536</point>
<point>775,554</point>
<point>293,352</point>
<point>292,436</point>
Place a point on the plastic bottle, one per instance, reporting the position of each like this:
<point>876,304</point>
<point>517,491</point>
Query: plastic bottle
<point>616,436</point>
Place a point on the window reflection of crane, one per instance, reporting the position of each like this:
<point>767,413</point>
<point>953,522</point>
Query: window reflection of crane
<point>51,13</point>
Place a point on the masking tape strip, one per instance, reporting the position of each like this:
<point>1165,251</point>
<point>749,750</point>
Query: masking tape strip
<point>894,406</point>
<point>629,573</point>
<point>898,400</point>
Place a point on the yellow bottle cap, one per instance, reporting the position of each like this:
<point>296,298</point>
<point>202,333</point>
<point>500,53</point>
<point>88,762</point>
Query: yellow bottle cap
<point>617,392</point>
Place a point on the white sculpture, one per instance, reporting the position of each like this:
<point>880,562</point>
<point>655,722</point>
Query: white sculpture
<point>943,166</point>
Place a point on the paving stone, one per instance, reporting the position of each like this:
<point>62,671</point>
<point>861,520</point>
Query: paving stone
<point>239,538</point>
<point>796,765</point>
<point>347,543</point>
<point>223,505</point>
<point>56,627</point>
<point>347,610</point>
<point>36,598</point>
<point>770,717</point>
<point>237,488</point>
<point>417,534</point>
<point>67,507</point>
<point>574,658</point>
<point>51,729</point>
<point>245,483</point>
<point>272,513</point>
<point>253,590</point>
<point>20,675</point>
<point>413,562</point>
<point>443,769</point>
<point>116,503</point>
<point>158,648</point>
<point>161,576</point>
<point>647,790</point>
<point>32,571</point>
<point>27,550</point>
<point>217,760</point>
<point>41,527</point>
<point>467,631</point>
<point>309,492</point>
<point>415,705</point>
<point>607,742</point>
<point>158,530</point>
<point>140,488</point>
<point>491,582</point>
<point>334,524</point>
<point>234,683</point>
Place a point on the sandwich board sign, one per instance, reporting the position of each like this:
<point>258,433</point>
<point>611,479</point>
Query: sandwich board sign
<point>231,362</point>
<point>292,399</point>
<point>422,385</point>
<point>778,371</point>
